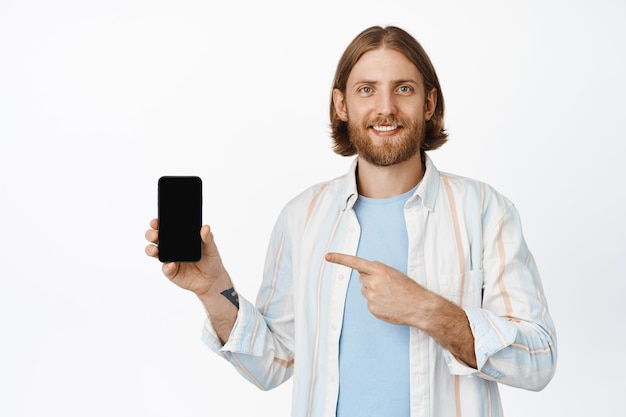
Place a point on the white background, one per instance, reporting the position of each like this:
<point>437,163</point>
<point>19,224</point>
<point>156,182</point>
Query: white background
<point>100,98</point>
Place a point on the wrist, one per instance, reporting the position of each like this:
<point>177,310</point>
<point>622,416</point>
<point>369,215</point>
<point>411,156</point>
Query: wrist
<point>221,294</point>
<point>427,312</point>
<point>213,286</point>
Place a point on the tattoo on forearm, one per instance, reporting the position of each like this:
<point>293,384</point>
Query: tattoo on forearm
<point>232,296</point>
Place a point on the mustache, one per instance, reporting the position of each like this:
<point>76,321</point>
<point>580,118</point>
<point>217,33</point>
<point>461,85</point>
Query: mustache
<point>385,121</point>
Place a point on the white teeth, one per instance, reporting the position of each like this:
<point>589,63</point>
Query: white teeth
<point>385,128</point>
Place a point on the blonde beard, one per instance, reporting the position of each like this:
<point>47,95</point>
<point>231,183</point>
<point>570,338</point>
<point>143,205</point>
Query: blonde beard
<point>394,150</point>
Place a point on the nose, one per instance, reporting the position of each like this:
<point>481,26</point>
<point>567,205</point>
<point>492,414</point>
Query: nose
<point>386,104</point>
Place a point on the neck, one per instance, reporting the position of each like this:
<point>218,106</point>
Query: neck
<point>385,182</point>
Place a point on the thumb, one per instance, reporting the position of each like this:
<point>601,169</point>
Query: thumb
<point>170,269</point>
<point>205,231</point>
<point>208,243</point>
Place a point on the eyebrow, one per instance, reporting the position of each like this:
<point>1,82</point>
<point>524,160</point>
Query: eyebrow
<point>393,82</point>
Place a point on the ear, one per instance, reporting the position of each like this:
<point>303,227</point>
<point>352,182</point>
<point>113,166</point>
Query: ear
<point>431,104</point>
<point>340,105</point>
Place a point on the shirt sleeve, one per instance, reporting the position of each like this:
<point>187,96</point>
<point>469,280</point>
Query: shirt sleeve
<point>514,336</point>
<point>260,345</point>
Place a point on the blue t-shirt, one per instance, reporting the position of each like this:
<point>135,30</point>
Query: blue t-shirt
<point>374,354</point>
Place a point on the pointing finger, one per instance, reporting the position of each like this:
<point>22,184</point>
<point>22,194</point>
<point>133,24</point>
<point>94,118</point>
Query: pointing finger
<point>362,265</point>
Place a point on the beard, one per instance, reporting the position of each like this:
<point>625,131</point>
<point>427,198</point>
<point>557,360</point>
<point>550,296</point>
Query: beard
<point>391,150</point>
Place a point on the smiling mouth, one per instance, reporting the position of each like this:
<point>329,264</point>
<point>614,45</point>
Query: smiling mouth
<point>386,128</point>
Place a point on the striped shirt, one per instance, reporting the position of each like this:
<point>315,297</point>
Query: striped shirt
<point>465,243</point>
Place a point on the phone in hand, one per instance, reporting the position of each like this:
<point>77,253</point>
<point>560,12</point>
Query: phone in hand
<point>180,218</point>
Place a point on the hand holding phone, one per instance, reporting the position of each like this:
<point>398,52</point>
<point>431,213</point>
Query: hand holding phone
<point>179,218</point>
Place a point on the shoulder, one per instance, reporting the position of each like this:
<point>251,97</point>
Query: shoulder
<point>315,198</point>
<point>470,192</point>
<point>327,190</point>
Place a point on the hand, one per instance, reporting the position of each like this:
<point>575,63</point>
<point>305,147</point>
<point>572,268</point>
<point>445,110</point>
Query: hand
<point>395,298</point>
<point>391,295</point>
<point>197,277</point>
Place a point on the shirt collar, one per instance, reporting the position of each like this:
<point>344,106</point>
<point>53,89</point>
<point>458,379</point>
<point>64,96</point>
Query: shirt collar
<point>429,186</point>
<point>426,192</point>
<point>351,192</point>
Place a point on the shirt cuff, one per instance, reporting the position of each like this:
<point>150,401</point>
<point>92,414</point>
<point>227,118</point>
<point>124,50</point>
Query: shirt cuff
<point>491,334</point>
<point>246,337</point>
<point>209,336</point>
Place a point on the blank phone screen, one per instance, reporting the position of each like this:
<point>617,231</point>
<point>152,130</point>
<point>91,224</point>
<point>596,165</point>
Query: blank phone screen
<point>180,218</point>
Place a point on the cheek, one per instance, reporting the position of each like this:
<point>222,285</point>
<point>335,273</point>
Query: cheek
<point>356,111</point>
<point>412,110</point>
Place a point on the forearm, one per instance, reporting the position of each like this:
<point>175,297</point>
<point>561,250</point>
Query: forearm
<point>222,305</point>
<point>448,324</point>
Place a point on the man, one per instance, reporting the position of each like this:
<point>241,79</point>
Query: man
<point>395,290</point>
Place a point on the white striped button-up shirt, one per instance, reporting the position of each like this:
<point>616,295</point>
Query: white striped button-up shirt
<point>465,244</point>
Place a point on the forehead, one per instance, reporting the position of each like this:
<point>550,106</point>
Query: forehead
<point>384,64</point>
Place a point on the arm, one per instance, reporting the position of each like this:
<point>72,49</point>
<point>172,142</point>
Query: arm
<point>397,299</point>
<point>260,344</point>
<point>515,338</point>
<point>255,341</point>
<point>510,339</point>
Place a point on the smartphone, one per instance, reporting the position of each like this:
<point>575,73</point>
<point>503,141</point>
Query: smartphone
<point>180,218</point>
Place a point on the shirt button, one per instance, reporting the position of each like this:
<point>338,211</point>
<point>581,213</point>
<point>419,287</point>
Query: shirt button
<point>332,379</point>
<point>340,277</point>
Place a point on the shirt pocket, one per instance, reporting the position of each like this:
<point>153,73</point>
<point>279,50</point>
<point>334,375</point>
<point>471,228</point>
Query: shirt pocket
<point>464,290</point>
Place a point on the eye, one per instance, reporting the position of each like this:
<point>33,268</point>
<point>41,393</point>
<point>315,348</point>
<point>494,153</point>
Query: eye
<point>405,89</point>
<point>365,90</point>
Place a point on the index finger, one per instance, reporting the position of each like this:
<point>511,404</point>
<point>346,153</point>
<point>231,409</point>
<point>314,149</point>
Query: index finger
<point>362,265</point>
